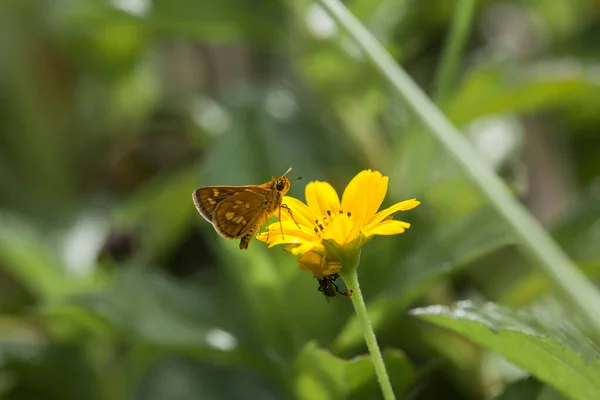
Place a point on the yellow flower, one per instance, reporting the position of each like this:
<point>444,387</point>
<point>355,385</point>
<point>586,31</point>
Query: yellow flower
<point>349,223</point>
<point>316,263</point>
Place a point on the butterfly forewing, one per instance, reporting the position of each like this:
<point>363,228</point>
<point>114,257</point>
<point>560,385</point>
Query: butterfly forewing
<point>232,210</point>
<point>206,199</point>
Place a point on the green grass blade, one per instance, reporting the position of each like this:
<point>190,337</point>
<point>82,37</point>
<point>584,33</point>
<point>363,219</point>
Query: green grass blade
<point>457,38</point>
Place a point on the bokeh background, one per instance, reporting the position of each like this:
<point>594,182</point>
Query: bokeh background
<point>113,111</point>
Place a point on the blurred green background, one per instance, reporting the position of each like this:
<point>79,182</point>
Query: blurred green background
<point>113,111</point>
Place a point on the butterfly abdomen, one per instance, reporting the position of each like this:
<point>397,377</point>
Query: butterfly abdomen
<point>246,240</point>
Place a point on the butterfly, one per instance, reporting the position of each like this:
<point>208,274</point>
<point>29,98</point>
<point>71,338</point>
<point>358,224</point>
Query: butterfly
<point>328,287</point>
<point>237,212</point>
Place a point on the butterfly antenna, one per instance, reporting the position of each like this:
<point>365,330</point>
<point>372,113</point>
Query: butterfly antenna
<point>286,172</point>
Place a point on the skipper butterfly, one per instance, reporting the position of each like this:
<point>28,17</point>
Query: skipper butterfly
<point>237,212</point>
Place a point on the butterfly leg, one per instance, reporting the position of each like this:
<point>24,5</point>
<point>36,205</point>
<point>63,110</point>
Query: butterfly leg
<point>291,214</point>
<point>280,224</point>
<point>266,224</point>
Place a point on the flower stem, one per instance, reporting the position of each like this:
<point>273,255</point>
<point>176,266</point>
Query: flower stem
<point>351,279</point>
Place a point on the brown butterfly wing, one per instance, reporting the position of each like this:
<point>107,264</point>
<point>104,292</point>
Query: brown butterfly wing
<point>239,214</point>
<point>232,210</point>
<point>207,198</point>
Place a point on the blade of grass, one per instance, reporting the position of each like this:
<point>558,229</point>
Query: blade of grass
<point>453,48</point>
<point>567,278</point>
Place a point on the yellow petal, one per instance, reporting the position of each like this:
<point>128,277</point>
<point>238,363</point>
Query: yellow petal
<point>364,194</point>
<point>288,239</point>
<point>300,212</point>
<point>332,268</point>
<point>277,226</point>
<point>291,234</point>
<point>321,197</point>
<point>402,206</point>
<point>311,258</point>
<point>313,262</point>
<point>353,189</point>
<point>376,191</point>
<point>288,236</point>
<point>389,227</point>
<point>305,248</point>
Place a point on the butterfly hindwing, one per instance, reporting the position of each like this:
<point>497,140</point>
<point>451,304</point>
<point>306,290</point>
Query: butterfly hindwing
<point>235,216</point>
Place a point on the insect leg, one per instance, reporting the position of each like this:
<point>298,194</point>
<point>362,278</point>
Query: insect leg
<point>266,223</point>
<point>280,224</point>
<point>291,214</point>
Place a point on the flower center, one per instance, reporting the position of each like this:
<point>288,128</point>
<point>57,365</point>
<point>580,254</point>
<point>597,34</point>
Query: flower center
<point>320,226</point>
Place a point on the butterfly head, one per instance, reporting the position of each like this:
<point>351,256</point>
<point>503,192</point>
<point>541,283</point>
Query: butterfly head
<point>282,183</point>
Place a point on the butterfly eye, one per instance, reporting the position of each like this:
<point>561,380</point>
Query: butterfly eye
<point>279,185</point>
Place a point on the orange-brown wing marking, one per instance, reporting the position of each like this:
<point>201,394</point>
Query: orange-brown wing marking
<point>235,216</point>
<point>207,198</point>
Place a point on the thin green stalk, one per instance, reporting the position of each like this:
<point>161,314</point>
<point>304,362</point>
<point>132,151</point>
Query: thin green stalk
<point>579,291</point>
<point>453,49</point>
<point>351,279</point>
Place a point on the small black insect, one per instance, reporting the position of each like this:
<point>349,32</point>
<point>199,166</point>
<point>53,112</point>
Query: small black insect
<point>329,288</point>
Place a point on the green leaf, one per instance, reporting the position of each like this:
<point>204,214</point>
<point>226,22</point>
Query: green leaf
<point>524,389</point>
<point>577,232</point>
<point>59,371</point>
<point>148,307</point>
<point>222,21</point>
<point>401,371</point>
<point>31,259</point>
<point>577,235</point>
<point>453,49</point>
<point>182,378</point>
<point>321,375</point>
<point>560,357</point>
<point>452,247</point>
<point>496,89</point>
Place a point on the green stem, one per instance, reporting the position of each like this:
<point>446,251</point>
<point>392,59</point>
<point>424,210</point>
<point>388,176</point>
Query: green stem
<point>453,48</point>
<point>579,291</point>
<point>351,279</point>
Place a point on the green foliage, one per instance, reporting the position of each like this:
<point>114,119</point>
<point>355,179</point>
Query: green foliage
<point>113,112</point>
<point>321,375</point>
<point>559,356</point>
